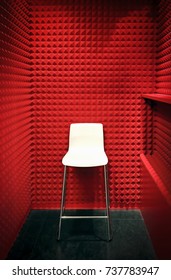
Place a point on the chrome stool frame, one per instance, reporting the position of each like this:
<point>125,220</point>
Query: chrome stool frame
<point>107,216</point>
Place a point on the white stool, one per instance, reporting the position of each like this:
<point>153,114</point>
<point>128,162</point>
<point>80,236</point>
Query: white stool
<point>86,149</point>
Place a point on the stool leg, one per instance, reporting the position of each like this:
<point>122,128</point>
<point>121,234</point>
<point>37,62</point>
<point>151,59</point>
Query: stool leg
<point>62,201</point>
<point>107,201</point>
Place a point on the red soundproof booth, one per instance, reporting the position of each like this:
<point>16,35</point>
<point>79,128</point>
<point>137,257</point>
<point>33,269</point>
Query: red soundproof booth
<point>71,61</point>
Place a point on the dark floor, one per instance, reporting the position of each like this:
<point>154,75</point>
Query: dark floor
<point>83,238</point>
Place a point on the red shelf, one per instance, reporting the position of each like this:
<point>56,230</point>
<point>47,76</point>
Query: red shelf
<point>166,98</point>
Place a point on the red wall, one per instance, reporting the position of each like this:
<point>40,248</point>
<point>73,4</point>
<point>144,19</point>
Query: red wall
<point>83,61</point>
<point>156,168</point>
<point>91,61</point>
<point>162,116</point>
<point>15,124</point>
<point>163,83</point>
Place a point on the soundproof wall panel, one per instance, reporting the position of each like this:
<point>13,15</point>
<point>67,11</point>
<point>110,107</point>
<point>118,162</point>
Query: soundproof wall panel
<point>156,175</point>
<point>164,47</point>
<point>90,62</point>
<point>15,122</point>
<point>162,116</point>
<point>162,125</point>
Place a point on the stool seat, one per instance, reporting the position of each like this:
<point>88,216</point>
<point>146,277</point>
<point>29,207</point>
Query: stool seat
<point>87,157</point>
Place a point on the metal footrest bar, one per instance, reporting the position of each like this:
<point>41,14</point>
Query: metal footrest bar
<point>84,217</point>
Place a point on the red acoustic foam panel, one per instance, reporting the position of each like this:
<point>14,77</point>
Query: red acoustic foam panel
<point>91,61</point>
<point>15,121</point>
<point>156,166</point>
<point>164,48</point>
<point>161,131</point>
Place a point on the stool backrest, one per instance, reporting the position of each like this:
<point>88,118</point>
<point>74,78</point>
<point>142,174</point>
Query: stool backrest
<point>86,136</point>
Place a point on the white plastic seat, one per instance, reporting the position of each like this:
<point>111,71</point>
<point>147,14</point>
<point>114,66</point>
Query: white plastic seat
<point>86,146</point>
<point>86,149</point>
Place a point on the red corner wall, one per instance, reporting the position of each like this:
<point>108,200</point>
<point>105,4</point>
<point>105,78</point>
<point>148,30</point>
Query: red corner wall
<point>156,168</point>
<point>163,83</point>
<point>162,110</point>
<point>15,120</point>
<point>91,61</point>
